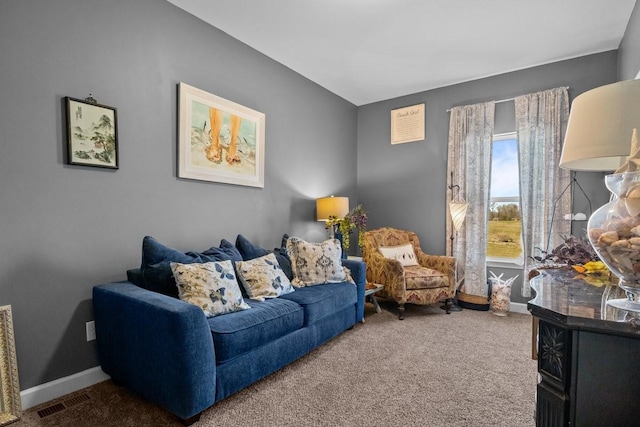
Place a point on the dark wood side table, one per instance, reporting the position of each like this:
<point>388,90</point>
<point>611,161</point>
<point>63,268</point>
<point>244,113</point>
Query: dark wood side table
<point>588,353</point>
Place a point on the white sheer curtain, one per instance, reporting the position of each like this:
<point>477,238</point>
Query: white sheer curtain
<point>541,121</point>
<point>469,165</point>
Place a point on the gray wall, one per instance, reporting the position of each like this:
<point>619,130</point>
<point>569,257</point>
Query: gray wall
<point>405,185</point>
<point>64,229</point>
<point>629,51</point>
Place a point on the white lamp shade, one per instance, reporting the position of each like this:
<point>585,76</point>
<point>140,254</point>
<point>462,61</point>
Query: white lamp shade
<point>458,211</point>
<point>331,207</point>
<point>600,126</point>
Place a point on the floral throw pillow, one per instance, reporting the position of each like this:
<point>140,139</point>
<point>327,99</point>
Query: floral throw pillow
<point>316,263</point>
<point>263,278</point>
<point>212,286</point>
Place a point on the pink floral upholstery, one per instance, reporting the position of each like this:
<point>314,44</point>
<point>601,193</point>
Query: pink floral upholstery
<point>431,282</point>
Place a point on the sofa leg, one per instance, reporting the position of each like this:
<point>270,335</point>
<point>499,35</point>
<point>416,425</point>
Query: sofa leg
<point>401,311</point>
<point>192,419</point>
<point>117,382</point>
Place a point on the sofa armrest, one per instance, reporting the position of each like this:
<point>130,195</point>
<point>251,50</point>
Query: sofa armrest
<point>156,345</point>
<point>359,275</point>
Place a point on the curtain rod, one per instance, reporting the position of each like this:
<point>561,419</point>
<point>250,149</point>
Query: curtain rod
<point>503,100</point>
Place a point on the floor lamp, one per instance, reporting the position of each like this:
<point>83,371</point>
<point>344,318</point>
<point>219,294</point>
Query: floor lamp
<point>458,212</point>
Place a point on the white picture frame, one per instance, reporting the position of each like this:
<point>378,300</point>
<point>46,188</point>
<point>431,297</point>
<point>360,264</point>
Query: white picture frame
<point>219,140</point>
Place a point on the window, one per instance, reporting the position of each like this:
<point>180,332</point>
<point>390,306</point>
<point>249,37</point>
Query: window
<point>504,232</point>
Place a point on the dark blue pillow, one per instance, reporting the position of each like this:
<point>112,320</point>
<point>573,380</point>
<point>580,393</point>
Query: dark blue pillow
<point>230,249</point>
<point>156,268</point>
<point>157,258</point>
<point>283,244</point>
<point>284,261</point>
<point>248,250</point>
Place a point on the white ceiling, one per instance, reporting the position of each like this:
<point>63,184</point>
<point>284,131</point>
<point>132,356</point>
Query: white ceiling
<point>371,50</point>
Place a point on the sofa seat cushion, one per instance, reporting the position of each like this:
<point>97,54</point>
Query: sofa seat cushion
<point>418,277</point>
<point>325,300</point>
<point>236,333</point>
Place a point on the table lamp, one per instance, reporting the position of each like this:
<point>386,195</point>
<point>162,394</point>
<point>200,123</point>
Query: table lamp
<point>601,133</point>
<point>331,208</point>
<point>600,126</point>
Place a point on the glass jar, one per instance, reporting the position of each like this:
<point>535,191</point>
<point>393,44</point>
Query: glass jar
<point>500,296</point>
<point>614,232</point>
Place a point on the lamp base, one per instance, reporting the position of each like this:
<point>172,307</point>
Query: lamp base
<point>454,305</point>
<point>473,302</point>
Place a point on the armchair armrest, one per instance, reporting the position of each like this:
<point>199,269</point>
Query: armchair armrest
<point>158,346</point>
<point>387,272</point>
<point>358,274</point>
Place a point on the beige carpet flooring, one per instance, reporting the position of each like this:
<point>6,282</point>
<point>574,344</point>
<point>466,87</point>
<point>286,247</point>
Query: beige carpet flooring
<point>469,368</point>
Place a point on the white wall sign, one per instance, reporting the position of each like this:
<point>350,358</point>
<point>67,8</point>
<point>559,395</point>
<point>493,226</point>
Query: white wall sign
<point>407,124</point>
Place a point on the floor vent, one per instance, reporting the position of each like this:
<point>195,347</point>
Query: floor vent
<point>76,400</point>
<point>61,406</point>
<point>50,410</point>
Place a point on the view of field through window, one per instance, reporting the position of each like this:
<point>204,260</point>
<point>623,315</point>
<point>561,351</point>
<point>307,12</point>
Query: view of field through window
<point>504,229</point>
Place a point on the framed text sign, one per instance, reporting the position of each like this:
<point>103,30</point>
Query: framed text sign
<point>407,124</point>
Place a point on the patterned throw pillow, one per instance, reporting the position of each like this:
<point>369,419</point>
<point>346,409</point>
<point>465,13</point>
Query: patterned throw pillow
<point>403,253</point>
<point>212,286</point>
<point>316,263</point>
<point>263,278</point>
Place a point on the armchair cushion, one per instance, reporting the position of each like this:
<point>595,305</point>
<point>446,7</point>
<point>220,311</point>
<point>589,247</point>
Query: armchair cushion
<point>417,277</point>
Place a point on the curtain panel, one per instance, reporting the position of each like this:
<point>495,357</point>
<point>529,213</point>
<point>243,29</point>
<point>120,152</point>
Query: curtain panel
<point>541,122</point>
<point>469,166</point>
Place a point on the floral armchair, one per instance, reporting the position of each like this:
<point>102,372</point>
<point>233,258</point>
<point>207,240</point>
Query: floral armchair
<point>432,280</point>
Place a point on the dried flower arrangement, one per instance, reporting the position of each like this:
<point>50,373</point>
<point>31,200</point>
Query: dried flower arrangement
<point>356,218</point>
<point>572,251</point>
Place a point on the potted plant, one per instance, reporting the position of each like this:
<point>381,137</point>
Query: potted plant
<point>355,219</point>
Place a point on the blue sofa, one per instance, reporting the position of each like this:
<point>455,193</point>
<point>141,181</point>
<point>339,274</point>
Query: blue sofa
<point>168,352</point>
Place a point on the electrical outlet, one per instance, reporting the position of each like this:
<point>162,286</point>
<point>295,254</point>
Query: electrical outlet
<point>91,330</point>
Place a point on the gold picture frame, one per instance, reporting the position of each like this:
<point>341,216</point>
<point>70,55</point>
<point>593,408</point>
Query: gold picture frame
<point>10,404</point>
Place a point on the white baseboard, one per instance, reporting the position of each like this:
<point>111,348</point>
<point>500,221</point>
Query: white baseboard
<point>518,307</point>
<point>52,390</point>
